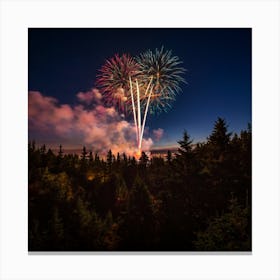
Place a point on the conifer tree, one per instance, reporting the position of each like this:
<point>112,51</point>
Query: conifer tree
<point>60,152</point>
<point>169,157</point>
<point>90,157</point>
<point>84,154</point>
<point>185,146</point>
<point>185,156</point>
<point>219,138</point>
<point>109,159</point>
<point>118,158</point>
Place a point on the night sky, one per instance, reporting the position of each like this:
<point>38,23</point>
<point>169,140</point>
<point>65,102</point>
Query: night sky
<point>64,62</point>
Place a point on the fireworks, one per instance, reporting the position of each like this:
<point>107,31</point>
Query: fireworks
<point>166,74</point>
<point>148,83</point>
<point>113,80</point>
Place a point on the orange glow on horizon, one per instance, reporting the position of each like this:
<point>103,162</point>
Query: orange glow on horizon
<point>138,154</point>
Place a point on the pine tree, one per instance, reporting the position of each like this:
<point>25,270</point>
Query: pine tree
<point>90,157</point>
<point>84,154</point>
<point>124,158</point>
<point>169,157</point>
<point>60,153</point>
<point>185,146</point>
<point>118,158</point>
<point>97,159</point>
<point>185,156</point>
<point>220,137</point>
<point>109,159</point>
<point>84,162</point>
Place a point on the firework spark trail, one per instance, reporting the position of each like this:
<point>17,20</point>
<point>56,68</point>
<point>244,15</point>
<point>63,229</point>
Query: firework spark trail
<point>145,116</point>
<point>133,108</point>
<point>147,89</point>
<point>146,109</point>
<point>139,113</point>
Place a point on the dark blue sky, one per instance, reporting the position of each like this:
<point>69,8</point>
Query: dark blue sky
<point>63,62</point>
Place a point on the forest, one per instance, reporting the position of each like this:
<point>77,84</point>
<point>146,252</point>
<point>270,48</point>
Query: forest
<point>196,200</point>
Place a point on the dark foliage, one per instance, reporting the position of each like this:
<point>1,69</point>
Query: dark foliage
<point>198,199</point>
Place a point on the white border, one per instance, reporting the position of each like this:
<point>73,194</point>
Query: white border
<point>17,16</point>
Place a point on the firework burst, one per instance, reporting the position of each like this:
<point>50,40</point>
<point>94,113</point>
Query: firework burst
<point>148,83</point>
<point>113,80</point>
<point>166,73</point>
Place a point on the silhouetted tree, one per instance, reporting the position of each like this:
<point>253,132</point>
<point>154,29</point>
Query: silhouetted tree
<point>109,159</point>
<point>169,157</point>
<point>60,152</point>
<point>219,138</point>
<point>198,200</point>
<point>185,145</point>
<point>185,156</point>
<point>90,157</point>
<point>84,154</point>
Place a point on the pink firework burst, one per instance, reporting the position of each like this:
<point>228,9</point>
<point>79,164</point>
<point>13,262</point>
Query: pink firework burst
<point>113,80</point>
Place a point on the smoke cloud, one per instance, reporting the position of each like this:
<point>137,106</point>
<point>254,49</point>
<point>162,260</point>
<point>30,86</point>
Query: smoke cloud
<point>90,96</point>
<point>89,123</point>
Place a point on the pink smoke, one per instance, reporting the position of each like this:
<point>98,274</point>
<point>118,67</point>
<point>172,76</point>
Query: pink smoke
<point>90,96</point>
<point>99,128</point>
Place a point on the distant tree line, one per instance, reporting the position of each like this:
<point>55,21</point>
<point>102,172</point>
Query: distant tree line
<point>197,200</point>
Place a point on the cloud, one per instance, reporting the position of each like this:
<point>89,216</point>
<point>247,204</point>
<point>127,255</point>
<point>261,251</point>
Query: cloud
<point>89,97</point>
<point>99,128</point>
<point>45,114</point>
<point>158,133</point>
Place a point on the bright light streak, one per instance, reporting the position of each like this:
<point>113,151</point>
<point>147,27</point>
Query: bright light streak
<point>139,113</point>
<point>133,108</point>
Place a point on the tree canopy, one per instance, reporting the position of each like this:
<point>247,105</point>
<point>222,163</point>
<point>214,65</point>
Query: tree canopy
<point>196,199</point>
